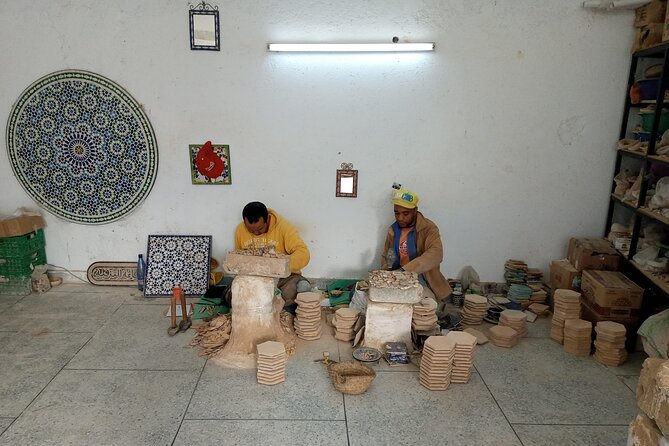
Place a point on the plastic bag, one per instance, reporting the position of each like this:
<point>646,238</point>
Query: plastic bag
<point>646,255</point>
<point>468,275</point>
<point>359,300</point>
<point>655,335</point>
<point>661,198</point>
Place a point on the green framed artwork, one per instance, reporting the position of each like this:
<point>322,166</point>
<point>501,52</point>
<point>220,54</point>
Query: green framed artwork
<point>210,163</point>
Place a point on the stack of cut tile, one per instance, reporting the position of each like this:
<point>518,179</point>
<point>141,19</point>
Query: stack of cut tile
<point>577,337</point>
<point>271,363</point>
<point>424,317</point>
<point>538,294</point>
<point>503,336</point>
<point>514,319</point>
<point>567,305</point>
<point>515,271</point>
<point>474,309</point>
<point>464,356</point>
<point>610,343</point>
<point>436,364</point>
<point>540,310</point>
<point>308,316</point>
<point>344,323</point>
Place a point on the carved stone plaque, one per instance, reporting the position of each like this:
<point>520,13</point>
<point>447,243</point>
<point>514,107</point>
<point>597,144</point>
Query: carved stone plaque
<point>113,273</point>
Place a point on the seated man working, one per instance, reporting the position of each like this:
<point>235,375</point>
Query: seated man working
<point>262,228</point>
<point>413,244</point>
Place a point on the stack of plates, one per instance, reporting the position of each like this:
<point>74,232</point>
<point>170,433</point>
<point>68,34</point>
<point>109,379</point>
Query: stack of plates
<point>437,362</point>
<point>610,343</point>
<point>424,317</point>
<point>514,319</point>
<point>515,271</point>
<point>567,305</point>
<point>271,363</point>
<point>344,323</point>
<point>308,316</point>
<point>475,308</point>
<point>577,337</point>
<point>464,356</point>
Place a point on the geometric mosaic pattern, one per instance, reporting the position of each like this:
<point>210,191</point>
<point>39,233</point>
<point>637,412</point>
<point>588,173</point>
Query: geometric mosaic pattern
<point>177,260</point>
<point>82,147</point>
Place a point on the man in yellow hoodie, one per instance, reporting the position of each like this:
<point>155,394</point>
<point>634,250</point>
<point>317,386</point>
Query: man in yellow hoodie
<point>263,227</point>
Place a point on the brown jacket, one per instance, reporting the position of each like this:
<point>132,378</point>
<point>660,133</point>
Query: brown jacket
<point>430,254</point>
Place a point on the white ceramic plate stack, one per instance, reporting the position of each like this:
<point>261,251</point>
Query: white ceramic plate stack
<point>344,323</point>
<point>464,356</point>
<point>474,309</point>
<point>566,305</point>
<point>308,316</point>
<point>271,363</point>
<point>503,336</point>
<point>610,343</point>
<point>514,319</point>
<point>577,337</point>
<point>424,316</point>
<point>436,364</point>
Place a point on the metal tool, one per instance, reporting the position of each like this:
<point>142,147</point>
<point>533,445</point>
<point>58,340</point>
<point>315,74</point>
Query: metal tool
<point>185,323</point>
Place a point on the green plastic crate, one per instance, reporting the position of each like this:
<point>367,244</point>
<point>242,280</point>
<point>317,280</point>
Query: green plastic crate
<point>22,266</point>
<point>19,246</point>
<point>15,287</point>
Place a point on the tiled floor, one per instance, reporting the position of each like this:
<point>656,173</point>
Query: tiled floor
<point>84,365</point>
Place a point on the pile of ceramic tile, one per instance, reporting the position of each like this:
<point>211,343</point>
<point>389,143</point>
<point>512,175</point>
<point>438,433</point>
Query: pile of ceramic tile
<point>424,317</point>
<point>271,363</point>
<point>344,323</point>
<point>514,319</point>
<point>540,310</point>
<point>515,271</point>
<point>538,294</point>
<point>464,356</point>
<point>503,336</point>
<point>577,337</point>
<point>534,276</point>
<point>610,343</point>
<point>436,364</point>
<point>308,316</point>
<point>475,308</point>
<point>520,294</point>
<point>567,305</point>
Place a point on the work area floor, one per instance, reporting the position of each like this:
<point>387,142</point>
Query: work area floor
<point>86,365</point>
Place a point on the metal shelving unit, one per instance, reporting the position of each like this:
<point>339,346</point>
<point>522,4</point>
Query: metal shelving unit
<point>638,212</point>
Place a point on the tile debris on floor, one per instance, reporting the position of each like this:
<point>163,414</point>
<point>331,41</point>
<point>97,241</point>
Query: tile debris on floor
<point>94,365</point>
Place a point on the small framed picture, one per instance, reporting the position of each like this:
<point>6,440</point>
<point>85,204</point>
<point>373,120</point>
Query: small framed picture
<point>210,163</point>
<point>204,28</point>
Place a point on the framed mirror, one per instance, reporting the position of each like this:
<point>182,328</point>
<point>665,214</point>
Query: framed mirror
<point>347,181</point>
<point>204,27</point>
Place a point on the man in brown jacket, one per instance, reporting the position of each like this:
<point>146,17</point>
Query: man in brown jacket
<point>413,244</point>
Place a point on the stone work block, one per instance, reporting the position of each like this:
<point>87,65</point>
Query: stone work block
<point>249,265</point>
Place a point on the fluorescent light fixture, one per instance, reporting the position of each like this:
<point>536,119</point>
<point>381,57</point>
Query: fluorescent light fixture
<point>350,47</point>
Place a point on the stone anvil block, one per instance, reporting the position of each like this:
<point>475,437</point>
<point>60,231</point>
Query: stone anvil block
<point>387,322</point>
<point>410,295</point>
<point>249,265</point>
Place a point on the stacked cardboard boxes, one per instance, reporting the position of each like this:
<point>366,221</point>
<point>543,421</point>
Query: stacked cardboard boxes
<point>649,21</point>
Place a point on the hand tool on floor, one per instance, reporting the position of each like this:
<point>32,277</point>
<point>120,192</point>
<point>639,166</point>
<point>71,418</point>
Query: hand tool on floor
<point>185,323</point>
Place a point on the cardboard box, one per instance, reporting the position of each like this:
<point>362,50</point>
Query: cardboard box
<point>630,323</point>
<point>20,225</point>
<point>611,294</point>
<point>653,12</point>
<point>593,253</point>
<point>648,36</point>
<point>564,276</point>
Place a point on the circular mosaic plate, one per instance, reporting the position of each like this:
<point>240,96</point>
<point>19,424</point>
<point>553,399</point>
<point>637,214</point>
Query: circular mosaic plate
<point>82,147</point>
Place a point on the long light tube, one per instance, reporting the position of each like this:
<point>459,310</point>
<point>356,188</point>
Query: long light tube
<point>350,47</point>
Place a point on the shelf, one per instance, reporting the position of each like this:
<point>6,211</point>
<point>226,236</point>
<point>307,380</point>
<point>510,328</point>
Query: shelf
<point>659,158</point>
<point>620,200</point>
<point>634,154</point>
<point>661,284</point>
<point>654,51</point>
<point>657,217</point>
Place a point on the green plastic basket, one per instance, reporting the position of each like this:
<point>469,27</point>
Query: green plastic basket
<point>19,246</point>
<point>648,118</point>
<point>15,287</point>
<point>22,266</point>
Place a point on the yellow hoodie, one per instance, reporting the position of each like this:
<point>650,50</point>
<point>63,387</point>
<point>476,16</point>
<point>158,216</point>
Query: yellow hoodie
<point>281,235</point>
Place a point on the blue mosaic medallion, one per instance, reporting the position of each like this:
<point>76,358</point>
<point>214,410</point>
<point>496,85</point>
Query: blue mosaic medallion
<point>177,260</point>
<point>82,147</point>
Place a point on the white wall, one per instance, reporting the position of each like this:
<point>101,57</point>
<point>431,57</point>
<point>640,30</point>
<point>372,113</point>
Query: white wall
<point>506,131</point>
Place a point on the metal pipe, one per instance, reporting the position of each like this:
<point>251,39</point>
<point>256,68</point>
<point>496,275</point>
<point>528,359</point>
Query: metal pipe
<point>616,4</point>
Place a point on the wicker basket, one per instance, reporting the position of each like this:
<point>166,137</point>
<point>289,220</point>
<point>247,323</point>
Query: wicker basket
<point>351,377</point>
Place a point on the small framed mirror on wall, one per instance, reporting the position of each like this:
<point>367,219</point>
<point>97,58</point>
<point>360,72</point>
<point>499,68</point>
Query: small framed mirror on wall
<point>204,27</point>
<point>347,181</point>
